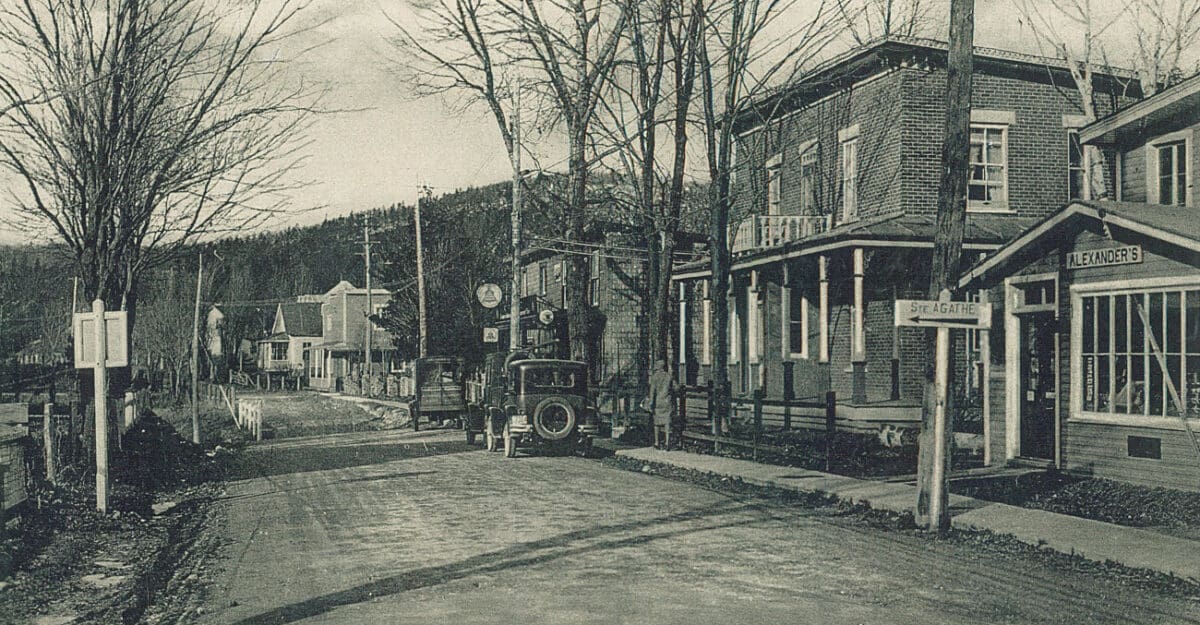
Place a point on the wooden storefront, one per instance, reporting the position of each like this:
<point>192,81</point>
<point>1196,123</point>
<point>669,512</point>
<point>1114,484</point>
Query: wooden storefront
<point>1099,318</point>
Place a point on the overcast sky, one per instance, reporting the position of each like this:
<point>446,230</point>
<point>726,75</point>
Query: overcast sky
<point>380,152</point>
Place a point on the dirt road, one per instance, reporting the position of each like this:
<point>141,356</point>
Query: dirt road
<point>388,528</point>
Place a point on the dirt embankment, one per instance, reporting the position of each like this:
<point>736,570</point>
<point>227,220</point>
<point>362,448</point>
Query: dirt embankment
<point>73,564</point>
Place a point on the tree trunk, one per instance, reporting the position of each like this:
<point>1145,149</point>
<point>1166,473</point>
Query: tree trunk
<point>947,240</point>
<point>578,319</point>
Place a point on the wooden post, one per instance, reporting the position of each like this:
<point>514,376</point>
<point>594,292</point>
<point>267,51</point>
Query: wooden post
<point>196,353</point>
<point>422,324</point>
<point>758,419</point>
<point>48,443</point>
<point>950,224</point>
<point>823,303</point>
<point>939,517</point>
<point>830,427</point>
<point>100,396</point>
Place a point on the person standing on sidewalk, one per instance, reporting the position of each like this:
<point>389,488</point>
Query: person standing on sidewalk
<point>661,402</point>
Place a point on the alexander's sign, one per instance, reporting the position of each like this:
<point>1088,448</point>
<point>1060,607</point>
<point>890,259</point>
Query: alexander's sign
<point>1128,255</point>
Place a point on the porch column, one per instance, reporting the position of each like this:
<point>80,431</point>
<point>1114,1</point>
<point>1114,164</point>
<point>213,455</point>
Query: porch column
<point>823,313</point>
<point>858,343</point>
<point>754,329</point>
<point>681,374</point>
<point>985,385</point>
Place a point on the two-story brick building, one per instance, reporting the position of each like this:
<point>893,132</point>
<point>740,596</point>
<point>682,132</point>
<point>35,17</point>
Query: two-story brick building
<point>1097,312</point>
<point>835,195</point>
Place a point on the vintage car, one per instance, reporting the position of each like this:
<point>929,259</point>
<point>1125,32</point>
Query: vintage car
<point>488,395</point>
<point>439,390</point>
<point>544,403</point>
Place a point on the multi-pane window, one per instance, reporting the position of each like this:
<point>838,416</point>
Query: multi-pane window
<point>849,179</point>
<point>316,363</point>
<point>1172,173</point>
<point>1076,172</point>
<point>279,351</point>
<point>774,185</point>
<point>808,181</point>
<point>543,278</point>
<point>594,280</point>
<point>988,185</point>
<point>1121,372</point>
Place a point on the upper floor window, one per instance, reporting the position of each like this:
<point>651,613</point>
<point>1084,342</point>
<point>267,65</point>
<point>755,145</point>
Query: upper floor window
<point>808,180</point>
<point>850,179</point>
<point>279,351</point>
<point>774,182</point>
<point>1076,171</point>
<point>988,185</point>
<point>543,278</point>
<point>1172,172</point>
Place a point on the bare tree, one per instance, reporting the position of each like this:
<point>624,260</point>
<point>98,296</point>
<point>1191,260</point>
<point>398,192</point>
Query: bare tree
<point>140,127</point>
<point>737,66</point>
<point>163,337</point>
<point>1167,32</point>
<point>868,20</point>
<point>651,92</point>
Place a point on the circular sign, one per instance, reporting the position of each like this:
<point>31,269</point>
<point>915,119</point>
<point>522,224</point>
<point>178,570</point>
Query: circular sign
<point>489,295</point>
<point>546,317</point>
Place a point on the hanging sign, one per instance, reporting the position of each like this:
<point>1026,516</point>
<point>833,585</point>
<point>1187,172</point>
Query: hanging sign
<point>489,295</point>
<point>491,335</point>
<point>935,314</point>
<point>1127,255</point>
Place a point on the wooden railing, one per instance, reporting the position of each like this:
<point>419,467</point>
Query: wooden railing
<point>764,231</point>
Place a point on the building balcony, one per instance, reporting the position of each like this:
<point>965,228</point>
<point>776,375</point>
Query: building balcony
<point>758,232</point>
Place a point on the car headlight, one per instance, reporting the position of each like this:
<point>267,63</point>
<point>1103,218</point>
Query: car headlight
<point>520,419</point>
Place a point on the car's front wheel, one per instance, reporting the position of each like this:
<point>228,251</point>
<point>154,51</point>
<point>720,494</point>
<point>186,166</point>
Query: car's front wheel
<point>510,443</point>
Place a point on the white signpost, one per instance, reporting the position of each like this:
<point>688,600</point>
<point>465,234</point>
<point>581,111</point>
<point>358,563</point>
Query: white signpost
<point>943,315</point>
<point>491,335</point>
<point>101,350</point>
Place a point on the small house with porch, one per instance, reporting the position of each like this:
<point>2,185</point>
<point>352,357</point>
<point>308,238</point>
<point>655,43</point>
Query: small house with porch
<point>297,327</point>
<point>1096,327</point>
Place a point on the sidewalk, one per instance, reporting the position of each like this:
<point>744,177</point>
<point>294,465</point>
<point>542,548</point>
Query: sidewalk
<point>1093,540</point>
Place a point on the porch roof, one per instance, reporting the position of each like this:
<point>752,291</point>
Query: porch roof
<point>1176,225</point>
<point>984,231</point>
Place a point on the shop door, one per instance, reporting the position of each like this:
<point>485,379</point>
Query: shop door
<point>1038,386</point>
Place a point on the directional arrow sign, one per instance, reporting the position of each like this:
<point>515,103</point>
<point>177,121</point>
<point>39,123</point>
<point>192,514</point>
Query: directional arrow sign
<point>934,314</point>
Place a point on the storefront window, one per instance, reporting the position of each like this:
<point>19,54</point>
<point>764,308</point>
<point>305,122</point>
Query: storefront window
<point>1121,340</point>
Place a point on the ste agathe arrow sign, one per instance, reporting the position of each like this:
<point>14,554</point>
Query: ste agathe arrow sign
<point>934,314</point>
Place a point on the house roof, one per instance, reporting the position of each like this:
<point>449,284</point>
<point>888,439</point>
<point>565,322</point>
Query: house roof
<point>860,62</point>
<point>1176,225</point>
<point>346,287</point>
<point>1180,102</point>
<point>983,231</point>
<point>301,318</point>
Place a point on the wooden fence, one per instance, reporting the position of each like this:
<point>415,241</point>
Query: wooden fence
<point>248,416</point>
<point>806,413</point>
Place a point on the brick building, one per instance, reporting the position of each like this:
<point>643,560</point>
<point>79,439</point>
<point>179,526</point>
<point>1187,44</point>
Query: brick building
<point>835,194</point>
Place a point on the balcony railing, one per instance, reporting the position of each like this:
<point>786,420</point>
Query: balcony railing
<point>763,231</point>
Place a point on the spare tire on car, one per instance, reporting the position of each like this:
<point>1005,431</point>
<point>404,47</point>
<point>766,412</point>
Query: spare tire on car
<point>554,419</point>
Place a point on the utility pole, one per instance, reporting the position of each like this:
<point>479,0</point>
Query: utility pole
<point>514,300</point>
<point>934,445</point>
<point>422,323</point>
<point>196,354</point>
<point>370,301</point>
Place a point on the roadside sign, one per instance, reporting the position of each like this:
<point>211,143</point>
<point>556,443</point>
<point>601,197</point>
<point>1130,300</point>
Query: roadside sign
<point>489,295</point>
<point>934,314</point>
<point>116,328</point>
<point>491,335</point>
